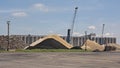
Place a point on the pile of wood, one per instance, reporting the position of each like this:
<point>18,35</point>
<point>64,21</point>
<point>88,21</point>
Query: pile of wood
<point>15,43</point>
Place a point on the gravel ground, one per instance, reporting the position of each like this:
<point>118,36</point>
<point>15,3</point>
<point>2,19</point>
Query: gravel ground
<point>60,60</point>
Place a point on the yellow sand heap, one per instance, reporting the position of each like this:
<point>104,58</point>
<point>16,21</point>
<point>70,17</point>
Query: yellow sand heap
<point>114,45</point>
<point>50,42</point>
<point>92,45</point>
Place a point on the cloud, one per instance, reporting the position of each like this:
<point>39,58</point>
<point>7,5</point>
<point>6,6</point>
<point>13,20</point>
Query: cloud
<point>60,35</point>
<point>54,33</point>
<point>107,34</point>
<point>19,14</point>
<point>110,34</point>
<point>44,8</point>
<point>41,7</point>
<point>91,27</point>
<point>77,34</point>
<point>51,31</point>
<point>11,10</point>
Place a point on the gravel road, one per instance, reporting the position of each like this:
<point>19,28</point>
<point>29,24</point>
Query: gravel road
<point>60,60</point>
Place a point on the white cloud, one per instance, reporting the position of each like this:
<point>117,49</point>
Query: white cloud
<point>91,27</point>
<point>41,7</point>
<point>45,8</point>
<point>107,34</point>
<point>51,31</point>
<point>60,35</point>
<point>19,14</point>
<point>77,34</point>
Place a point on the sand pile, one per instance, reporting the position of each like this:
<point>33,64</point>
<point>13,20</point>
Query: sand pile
<point>116,45</point>
<point>112,47</point>
<point>93,46</point>
<point>50,42</point>
<point>15,43</point>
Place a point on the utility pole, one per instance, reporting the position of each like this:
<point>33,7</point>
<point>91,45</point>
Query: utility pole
<point>85,40</point>
<point>103,33</point>
<point>103,29</point>
<point>8,37</point>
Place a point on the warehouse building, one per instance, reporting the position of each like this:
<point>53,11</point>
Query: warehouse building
<point>76,40</point>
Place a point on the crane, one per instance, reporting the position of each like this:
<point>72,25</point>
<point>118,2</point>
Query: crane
<point>73,22</point>
<point>70,31</point>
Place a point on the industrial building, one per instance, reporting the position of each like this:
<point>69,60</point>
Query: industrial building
<point>76,40</point>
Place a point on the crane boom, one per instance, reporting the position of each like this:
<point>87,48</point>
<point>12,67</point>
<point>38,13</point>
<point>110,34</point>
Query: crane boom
<point>72,26</point>
<point>70,31</point>
<point>73,22</point>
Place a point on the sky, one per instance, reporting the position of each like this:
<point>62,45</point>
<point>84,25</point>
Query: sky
<point>44,17</point>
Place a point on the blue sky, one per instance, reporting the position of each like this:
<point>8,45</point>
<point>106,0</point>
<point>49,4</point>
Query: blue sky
<point>43,17</point>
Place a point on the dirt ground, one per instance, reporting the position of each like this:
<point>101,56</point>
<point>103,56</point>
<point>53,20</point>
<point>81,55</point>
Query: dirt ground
<point>60,60</point>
